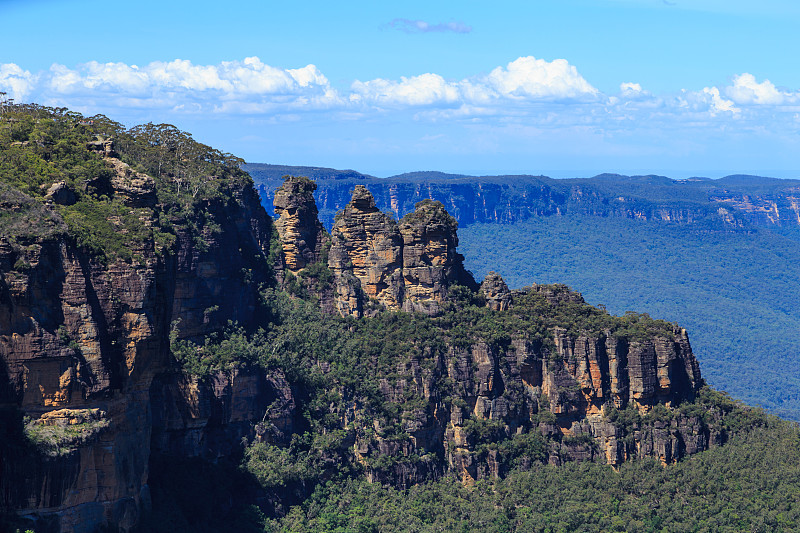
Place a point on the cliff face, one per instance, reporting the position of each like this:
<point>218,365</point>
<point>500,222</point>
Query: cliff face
<point>729,202</point>
<point>523,385</point>
<point>406,266</point>
<point>89,351</point>
<point>521,388</point>
<point>302,236</point>
<point>83,334</point>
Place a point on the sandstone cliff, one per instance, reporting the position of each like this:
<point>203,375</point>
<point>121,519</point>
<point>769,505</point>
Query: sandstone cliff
<point>181,345</point>
<point>729,202</point>
<point>406,266</point>
<point>564,391</point>
<point>574,379</point>
<point>85,333</point>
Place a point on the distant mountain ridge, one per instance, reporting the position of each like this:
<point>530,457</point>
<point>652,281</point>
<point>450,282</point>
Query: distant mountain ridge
<point>719,255</point>
<point>734,201</point>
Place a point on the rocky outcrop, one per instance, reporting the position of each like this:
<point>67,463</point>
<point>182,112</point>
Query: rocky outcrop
<point>85,343</point>
<point>302,236</point>
<point>407,266</point>
<point>366,247</point>
<point>496,292</point>
<point>568,397</point>
<point>60,193</point>
<point>134,188</point>
<point>82,334</point>
<point>430,261</point>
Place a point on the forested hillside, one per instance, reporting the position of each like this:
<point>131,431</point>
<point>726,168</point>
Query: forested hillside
<point>736,291</point>
<point>720,255</point>
<point>172,360</point>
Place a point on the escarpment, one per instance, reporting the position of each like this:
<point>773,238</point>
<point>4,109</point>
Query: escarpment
<point>187,332</point>
<point>523,388</point>
<point>730,202</point>
<point>96,278</point>
<point>77,333</point>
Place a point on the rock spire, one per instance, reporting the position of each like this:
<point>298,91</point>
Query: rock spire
<point>302,235</point>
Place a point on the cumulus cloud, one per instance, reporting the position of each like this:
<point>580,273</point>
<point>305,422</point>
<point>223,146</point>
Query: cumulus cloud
<point>425,89</point>
<point>523,80</point>
<point>181,85</point>
<point>527,91</point>
<point>15,81</point>
<point>746,90</point>
<point>420,26</point>
<point>528,77</point>
<point>717,103</point>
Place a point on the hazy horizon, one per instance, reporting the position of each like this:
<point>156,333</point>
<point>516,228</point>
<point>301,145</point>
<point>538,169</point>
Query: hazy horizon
<point>558,174</point>
<point>615,85</point>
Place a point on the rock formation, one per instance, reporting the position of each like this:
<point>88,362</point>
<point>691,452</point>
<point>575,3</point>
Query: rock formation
<point>430,261</point>
<point>564,394</point>
<point>60,193</point>
<point>496,292</point>
<point>301,234</point>
<point>89,343</point>
<point>406,266</point>
<point>366,245</point>
<point>78,334</point>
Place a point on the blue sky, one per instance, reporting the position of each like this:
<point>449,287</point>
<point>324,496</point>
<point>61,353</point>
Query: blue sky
<point>565,88</point>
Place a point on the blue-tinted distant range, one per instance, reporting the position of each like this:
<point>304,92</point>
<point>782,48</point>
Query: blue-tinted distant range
<point>560,87</point>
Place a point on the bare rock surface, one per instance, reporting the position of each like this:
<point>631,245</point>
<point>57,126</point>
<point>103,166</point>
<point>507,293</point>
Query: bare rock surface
<point>366,245</point>
<point>496,292</point>
<point>302,236</point>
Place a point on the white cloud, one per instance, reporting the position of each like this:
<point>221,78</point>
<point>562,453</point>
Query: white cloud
<point>630,89</point>
<point>180,84</point>
<point>527,91</point>
<point>746,90</point>
<point>528,77</point>
<point>425,89</point>
<point>15,81</point>
<point>717,104</point>
<point>525,79</point>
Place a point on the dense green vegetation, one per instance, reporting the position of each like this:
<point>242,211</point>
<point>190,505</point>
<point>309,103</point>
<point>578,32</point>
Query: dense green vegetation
<point>340,369</point>
<point>41,147</point>
<point>750,484</point>
<point>735,291</point>
<point>310,477</point>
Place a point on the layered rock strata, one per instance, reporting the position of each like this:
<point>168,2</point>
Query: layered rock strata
<point>367,248</point>
<point>86,344</point>
<point>566,395</point>
<point>431,263</point>
<point>407,265</point>
<point>301,234</point>
<point>79,334</point>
